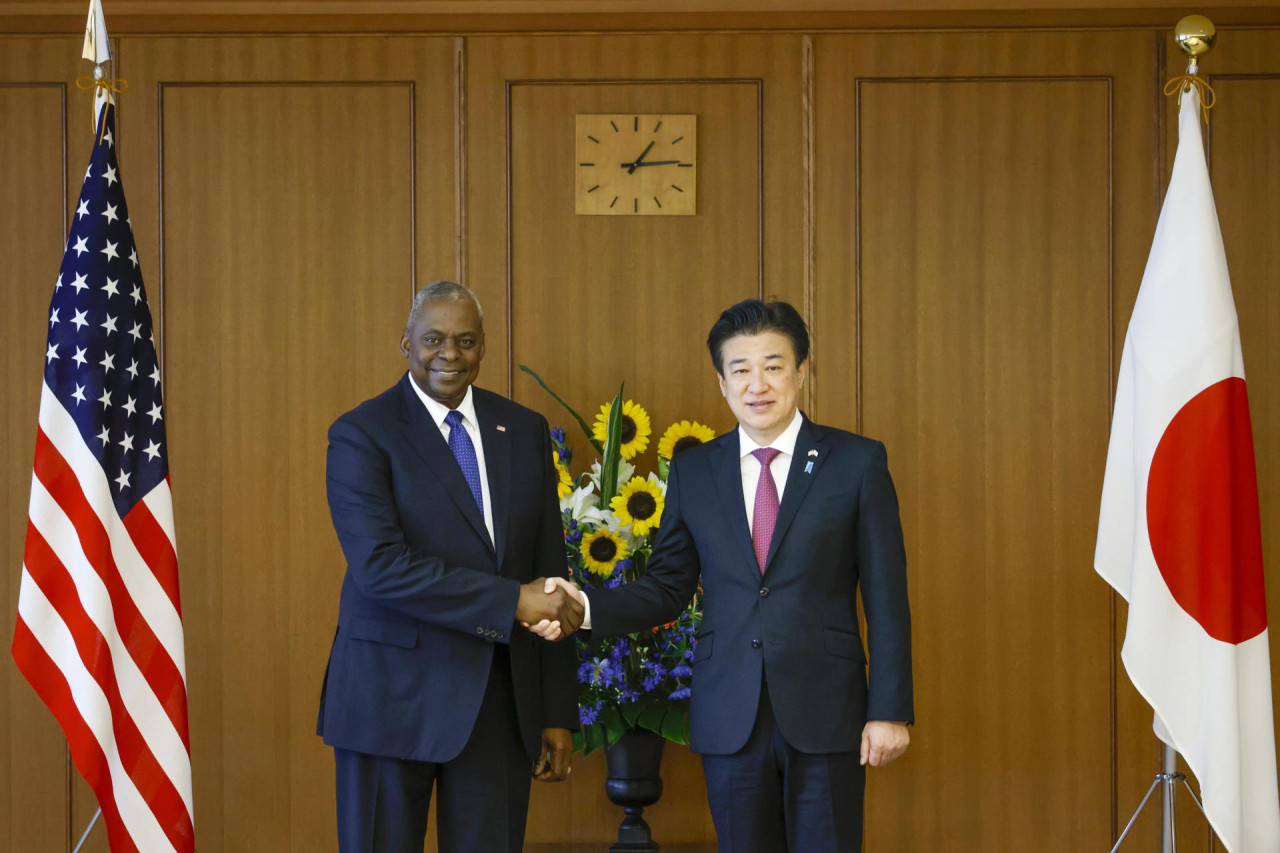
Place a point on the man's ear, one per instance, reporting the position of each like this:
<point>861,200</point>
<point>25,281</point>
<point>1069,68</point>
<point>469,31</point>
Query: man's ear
<point>404,344</point>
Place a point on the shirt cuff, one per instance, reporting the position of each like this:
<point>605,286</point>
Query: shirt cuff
<point>586,612</point>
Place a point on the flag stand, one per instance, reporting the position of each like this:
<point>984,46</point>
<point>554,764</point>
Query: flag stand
<point>88,829</point>
<point>1168,778</point>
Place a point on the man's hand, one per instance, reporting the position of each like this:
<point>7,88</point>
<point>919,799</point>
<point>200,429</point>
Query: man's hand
<point>540,602</point>
<point>551,629</point>
<point>557,745</point>
<point>883,742</point>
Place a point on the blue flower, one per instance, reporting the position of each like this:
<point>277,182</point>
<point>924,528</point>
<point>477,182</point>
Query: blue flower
<point>615,580</point>
<point>688,655</point>
<point>587,716</point>
<point>598,671</point>
<point>651,682</point>
<point>680,693</point>
<point>557,434</point>
<point>681,671</point>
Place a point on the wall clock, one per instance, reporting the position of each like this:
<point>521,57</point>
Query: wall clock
<point>632,164</point>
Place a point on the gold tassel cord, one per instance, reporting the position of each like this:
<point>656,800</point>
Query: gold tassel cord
<point>102,86</point>
<point>1184,82</point>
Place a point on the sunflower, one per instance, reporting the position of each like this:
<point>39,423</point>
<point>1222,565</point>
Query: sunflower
<point>640,505</point>
<point>564,483</point>
<point>682,436</point>
<point>601,551</point>
<point>635,428</point>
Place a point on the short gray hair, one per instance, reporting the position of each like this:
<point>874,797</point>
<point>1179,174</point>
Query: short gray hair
<point>443,291</point>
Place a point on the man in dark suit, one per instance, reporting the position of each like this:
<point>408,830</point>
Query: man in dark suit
<point>443,496</point>
<point>785,522</point>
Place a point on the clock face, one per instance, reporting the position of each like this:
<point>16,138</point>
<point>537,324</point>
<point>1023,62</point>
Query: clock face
<point>636,165</point>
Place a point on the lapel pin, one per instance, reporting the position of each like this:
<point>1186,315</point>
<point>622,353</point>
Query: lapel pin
<point>808,467</point>
<point>501,428</point>
<point>813,453</point>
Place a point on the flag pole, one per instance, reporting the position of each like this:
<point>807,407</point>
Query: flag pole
<point>1195,36</point>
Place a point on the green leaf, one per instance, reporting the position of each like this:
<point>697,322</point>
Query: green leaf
<point>664,468</point>
<point>579,742</point>
<point>675,726</point>
<point>651,718</point>
<point>612,451</point>
<point>586,430</point>
<point>594,736</point>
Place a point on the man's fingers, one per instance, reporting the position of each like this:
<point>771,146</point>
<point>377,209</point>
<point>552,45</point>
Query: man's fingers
<point>866,746</point>
<point>549,586</point>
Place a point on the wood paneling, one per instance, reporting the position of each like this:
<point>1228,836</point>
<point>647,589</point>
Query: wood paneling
<point>965,252</point>
<point>589,302</point>
<point>963,217</point>
<point>42,123</point>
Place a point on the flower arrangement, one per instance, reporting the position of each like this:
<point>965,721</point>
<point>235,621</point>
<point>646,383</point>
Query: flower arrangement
<point>611,516</point>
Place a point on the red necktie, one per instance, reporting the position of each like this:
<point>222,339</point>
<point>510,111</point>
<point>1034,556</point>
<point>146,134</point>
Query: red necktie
<point>765,515</point>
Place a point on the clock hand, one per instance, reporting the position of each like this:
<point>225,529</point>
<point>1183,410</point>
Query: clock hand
<point>632,166</point>
<point>658,163</point>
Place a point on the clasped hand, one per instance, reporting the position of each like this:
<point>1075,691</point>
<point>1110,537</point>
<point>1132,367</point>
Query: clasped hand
<point>550,607</point>
<point>553,625</point>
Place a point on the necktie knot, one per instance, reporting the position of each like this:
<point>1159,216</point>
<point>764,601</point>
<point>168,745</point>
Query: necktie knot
<point>453,419</point>
<point>766,455</point>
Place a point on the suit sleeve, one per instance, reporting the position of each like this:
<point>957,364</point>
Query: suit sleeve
<point>666,588</point>
<point>882,572</point>
<point>380,561</point>
<point>559,660</point>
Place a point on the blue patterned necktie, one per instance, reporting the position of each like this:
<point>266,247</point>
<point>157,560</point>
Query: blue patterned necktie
<point>465,452</point>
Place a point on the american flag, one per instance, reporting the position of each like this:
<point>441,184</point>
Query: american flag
<point>99,628</point>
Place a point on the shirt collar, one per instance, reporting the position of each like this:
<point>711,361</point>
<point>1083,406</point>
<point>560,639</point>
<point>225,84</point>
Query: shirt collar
<point>439,411</point>
<point>786,443</point>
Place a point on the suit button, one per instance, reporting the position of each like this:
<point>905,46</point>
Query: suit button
<point>480,631</point>
<point>755,644</point>
<point>501,635</point>
<point>764,592</point>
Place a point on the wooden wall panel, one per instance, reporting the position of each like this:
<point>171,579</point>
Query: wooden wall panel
<point>593,301</point>
<point>965,249</point>
<point>284,179</point>
<point>963,217</point>
<point>43,149</point>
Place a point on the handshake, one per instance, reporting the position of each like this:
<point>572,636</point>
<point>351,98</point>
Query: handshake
<point>552,608</point>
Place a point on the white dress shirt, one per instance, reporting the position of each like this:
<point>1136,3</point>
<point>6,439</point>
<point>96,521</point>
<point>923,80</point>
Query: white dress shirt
<point>439,411</point>
<point>779,467</point>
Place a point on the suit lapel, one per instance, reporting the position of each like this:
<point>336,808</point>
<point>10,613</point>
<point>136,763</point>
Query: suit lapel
<point>728,478</point>
<point>423,434</point>
<point>497,463</point>
<point>810,453</point>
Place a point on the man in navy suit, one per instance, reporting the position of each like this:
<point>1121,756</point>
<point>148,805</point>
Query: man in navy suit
<point>785,522</point>
<point>443,496</point>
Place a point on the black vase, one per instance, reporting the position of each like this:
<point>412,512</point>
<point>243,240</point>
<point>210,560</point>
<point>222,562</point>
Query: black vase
<point>634,783</point>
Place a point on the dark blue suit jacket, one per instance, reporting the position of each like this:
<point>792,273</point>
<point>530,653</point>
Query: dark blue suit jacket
<point>426,593</point>
<point>837,532</point>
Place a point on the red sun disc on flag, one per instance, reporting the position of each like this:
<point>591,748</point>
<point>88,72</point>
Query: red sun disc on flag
<point>1202,513</point>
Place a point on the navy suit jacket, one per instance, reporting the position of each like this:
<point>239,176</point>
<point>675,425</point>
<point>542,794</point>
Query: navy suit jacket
<point>426,593</point>
<point>837,532</point>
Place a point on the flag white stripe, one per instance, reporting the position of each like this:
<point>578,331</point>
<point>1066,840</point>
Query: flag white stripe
<point>139,699</point>
<point>160,501</point>
<point>143,587</point>
<point>91,703</point>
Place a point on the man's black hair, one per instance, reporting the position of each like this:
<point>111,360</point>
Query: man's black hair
<point>751,317</point>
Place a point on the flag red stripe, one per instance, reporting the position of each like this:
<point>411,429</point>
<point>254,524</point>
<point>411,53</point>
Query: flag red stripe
<point>52,687</point>
<point>140,763</point>
<point>146,650</point>
<point>155,548</point>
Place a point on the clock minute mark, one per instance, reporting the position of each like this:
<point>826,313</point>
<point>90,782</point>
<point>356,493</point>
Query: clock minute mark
<point>686,165</point>
<point>635,205</point>
<point>656,126</point>
<point>615,201</point>
<point>586,164</point>
<point>655,201</point>
<point>615,127</point>
<point>593,189</point>
<point>677,139</point>
<point>637,124</point>
<point>593,139</point>
<point>676,188</point>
